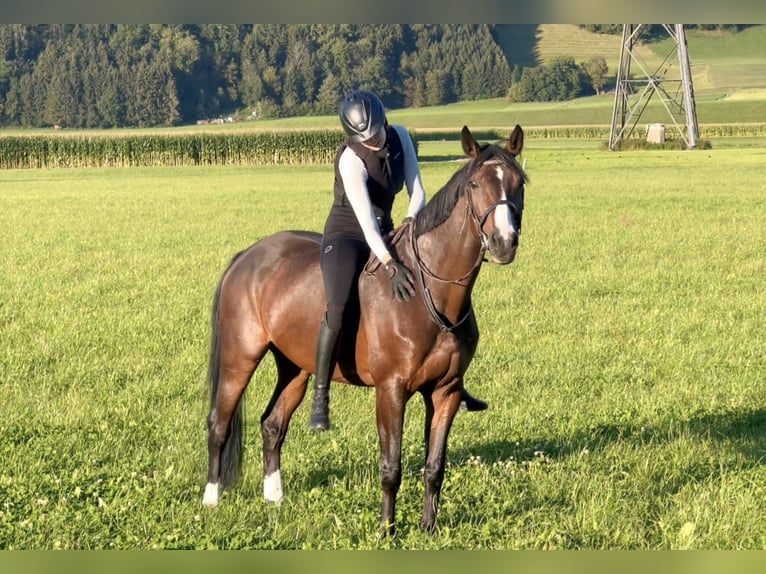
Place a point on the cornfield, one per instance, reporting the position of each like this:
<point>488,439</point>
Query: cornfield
<point>251,148</point>
<point>589,132</point>
<point>230,148</point>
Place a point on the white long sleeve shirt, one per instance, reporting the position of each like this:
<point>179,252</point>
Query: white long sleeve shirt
<point>354,175</point>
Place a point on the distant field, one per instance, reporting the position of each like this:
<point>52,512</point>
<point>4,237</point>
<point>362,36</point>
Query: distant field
<point>745,107</point>
<point>739,108</point>
<point>571,40</point>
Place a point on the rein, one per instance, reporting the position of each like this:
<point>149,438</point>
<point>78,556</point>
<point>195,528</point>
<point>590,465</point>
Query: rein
<point>421,271</point>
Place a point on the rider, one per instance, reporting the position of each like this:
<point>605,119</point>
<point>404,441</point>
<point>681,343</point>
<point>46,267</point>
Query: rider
<point>371,167</point>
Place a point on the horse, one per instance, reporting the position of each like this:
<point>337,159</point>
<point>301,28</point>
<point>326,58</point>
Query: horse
<point>271,298</point>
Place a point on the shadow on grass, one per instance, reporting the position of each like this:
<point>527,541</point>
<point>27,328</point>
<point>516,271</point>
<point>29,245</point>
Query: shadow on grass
<point>518,43</point>
<point>744,430</point>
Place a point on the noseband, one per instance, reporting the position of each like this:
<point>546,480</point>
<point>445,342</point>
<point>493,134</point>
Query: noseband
<point>480,221</point>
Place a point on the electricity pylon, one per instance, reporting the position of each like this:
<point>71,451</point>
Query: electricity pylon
<point>670,82</point>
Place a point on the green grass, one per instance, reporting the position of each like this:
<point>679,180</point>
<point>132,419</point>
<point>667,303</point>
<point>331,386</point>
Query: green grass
<point>622,354</point>
<point>725,62</point>
<point>498,113</point>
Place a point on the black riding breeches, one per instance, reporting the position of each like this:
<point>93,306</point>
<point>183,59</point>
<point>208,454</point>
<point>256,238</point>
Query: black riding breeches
<point>341,262</point>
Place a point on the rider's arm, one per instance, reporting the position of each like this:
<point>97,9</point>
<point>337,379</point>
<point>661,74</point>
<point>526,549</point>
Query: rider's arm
<point>411,173</point>
<point>354,175</point>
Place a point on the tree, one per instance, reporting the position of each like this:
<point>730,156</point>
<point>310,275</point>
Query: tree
<point>111,104</point>
<point>437,87</point>
<point>597,69</point>
<point>330,94</point>
<point>87,75</point>
<point>516,73</point>
<point>559,80</point>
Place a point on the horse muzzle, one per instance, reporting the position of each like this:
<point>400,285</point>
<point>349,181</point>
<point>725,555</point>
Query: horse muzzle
<point>502,249</point>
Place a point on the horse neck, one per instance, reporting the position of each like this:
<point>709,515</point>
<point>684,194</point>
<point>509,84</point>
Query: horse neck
<point>452,253</point>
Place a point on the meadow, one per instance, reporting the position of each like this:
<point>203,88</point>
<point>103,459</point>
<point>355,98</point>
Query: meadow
<point>622,354</point>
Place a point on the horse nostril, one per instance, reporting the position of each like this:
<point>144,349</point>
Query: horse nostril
<point>515,240</point>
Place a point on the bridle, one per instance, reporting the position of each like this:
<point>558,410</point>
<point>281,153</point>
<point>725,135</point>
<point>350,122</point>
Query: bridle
<point>422,269</point>
<point>515,210</point>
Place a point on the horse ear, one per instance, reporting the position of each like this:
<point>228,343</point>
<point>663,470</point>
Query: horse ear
<point>515,142</point>
<point>470,145</point>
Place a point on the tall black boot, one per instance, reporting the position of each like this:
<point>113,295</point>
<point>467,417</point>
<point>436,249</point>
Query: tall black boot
<point>320,410</point>
<point>472,404</point>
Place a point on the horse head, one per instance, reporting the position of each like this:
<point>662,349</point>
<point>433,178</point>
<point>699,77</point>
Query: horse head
<point>495,193</point>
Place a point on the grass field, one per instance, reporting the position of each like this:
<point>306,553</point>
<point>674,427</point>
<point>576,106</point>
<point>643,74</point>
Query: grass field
<point>622,354</point>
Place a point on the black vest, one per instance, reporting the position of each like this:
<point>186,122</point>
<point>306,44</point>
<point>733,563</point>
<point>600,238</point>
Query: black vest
<point>385,178</point>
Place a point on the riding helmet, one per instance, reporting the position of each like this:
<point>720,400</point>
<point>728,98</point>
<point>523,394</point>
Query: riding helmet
<point>362,115</point>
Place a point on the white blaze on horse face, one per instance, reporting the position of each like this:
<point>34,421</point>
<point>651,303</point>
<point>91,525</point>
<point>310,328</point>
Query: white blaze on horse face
<point>503,219</point>
<point>272,487</point>
<point>211,494</point>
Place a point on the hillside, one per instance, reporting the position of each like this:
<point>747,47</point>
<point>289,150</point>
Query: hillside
<point>722,63</point>
<point>533,44</point>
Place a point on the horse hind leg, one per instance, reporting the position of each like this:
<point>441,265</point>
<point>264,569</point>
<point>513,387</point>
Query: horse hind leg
<point>232,365</point>
<point>288,394</point>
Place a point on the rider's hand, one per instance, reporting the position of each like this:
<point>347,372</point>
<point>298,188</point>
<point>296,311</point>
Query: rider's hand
<point>402,281</point>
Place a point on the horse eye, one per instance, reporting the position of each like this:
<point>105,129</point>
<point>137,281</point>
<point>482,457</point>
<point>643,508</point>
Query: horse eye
<point>473,184</point>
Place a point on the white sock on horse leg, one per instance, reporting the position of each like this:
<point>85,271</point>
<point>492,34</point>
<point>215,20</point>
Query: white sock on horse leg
<point>272,487</point>
<point>211,494</point>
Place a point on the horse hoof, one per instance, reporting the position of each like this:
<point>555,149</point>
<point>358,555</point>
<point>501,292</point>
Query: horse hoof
<point>428,528</point>
<point>319,425</point>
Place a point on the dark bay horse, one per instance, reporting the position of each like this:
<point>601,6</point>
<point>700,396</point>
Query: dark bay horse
<point>271,298</point>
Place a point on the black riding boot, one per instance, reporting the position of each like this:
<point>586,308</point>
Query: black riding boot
<point>471,404</point>
<point>320,410</point>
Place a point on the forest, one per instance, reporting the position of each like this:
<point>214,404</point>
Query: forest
<point>114,75</point>
<point>101,76</point>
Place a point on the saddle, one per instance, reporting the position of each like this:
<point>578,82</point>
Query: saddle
<point>391,239</point>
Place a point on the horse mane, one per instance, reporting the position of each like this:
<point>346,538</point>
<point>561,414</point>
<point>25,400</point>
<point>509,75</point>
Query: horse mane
<point>439,208</point>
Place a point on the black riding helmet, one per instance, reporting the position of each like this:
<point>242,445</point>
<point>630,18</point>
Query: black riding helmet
<point>362,115</point>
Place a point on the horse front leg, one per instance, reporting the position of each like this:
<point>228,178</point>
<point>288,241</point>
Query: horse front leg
<point>441,408</point>
<point>389,413</point>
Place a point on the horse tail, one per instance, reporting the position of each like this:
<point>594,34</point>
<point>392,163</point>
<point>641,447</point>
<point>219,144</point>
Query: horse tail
<point>232,451</point>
